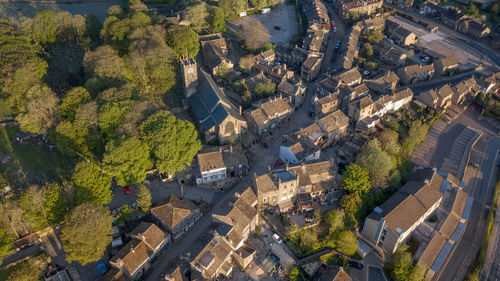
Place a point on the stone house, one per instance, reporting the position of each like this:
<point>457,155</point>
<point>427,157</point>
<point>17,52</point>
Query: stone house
<point>446,66</point>
<point>215,51</point>
<point>390,224</point>
<point>334,273</point>
<point>489,84</point>
<point>463,89</point>
<point>389,55</point>
<point>135,258</point>
<point>268,116</point>
<point>276,73</point>
<point>294,90</point>
<point>365,108</point>
<point>280,188</point>
<point>474,28</point>
<point>311,66</point>
<point>296,149</point>
<point>361,7</point>
<point>415,73</point>
<point>334,125</point>
<point>176,215</point>
<point>215,165</point>
<point>440,98</point>
<point>222,245</point>
<point>352,46</point>
<point>401,3</point>
<point>384,83</point>
<point>325,104</point>
<point>217,117</point>
<point>399,34</point>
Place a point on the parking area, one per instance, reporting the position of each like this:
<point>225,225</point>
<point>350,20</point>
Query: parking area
<point>280,23</point>
<point>439,43</point>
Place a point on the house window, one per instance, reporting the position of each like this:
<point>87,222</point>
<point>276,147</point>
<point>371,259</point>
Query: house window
<point>264,200</point>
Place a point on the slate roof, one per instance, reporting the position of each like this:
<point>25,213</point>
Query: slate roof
<point>334,121</point>
<point>151,234</point>
<point>312,173</point>
<point>209,103</point>
<point>265,184</point>
<point>173,211</point>
<point>133,255</point>
<point>411,201</point>
<point>210,161</point>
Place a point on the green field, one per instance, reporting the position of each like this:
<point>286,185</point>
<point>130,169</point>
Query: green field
<point>38,165</point>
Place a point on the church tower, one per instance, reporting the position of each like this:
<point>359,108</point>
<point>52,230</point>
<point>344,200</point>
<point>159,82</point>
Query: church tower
<point>189,74</point>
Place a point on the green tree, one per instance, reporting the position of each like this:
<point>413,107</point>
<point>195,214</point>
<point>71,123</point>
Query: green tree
<point>246,63</point>
<point>375,36</point>
<point>472,10</point>
<point>44,27</point>
<point>183,40</point>
<point>25,271</point>
<point>217,20</point>
<point>401,268</point>
<point>232,8</point>
<point>356,179</point>
<point>335,220</point>
<point>351,203</point>
<point>495,9</point>
<point>377,162</point>
<point>127,159</point>
<point>54,203</point>
<point>32,202</point>
<point>5,244</point>
<point>347,242</point>
<point>197,14</point>
<point>416,135</point>
<point>151,61</point>
<point>258,4</point>
<point>85,235</point>
<point>41,111</point>
<point>104,63</point>
<point>265,89</point>
<point>294,274</point>
<point>73,99</point>
<point>367,50</point>
<point>111,116</point>
<point>174,142</point>
<point>389,141</point>
<point>144,198</point>
<point>92,185</point>
<point>351,16</point>
<point>223,70</point>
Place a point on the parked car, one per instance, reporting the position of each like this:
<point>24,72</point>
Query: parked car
<point>277,238</point>
<point>126,189</point>
<point>277,27</point>
<point>265,144</point>
<point>278,163</point>
<point>356,264</point>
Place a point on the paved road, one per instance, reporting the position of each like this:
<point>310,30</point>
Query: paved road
<point>333,37</point>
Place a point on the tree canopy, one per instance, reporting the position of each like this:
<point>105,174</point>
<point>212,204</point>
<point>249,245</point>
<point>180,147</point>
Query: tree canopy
<point>173,142</point>
<point>85,235</point>
<point>127,159</point>
<point>92,185</point>
<point>401,268</point>
<point>356,179</point>
<point>183,40</point>
<point>377,162</point>
<point>144,198</point>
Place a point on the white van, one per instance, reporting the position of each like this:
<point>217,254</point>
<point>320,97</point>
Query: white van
<point>265,10</point>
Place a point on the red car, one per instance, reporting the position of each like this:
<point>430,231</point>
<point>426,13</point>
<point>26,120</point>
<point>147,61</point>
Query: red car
<point>265,144</point>
<point>279,163</point>
<point>126,189</point>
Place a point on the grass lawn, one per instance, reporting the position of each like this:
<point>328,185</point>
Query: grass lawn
<point>37,164</point>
